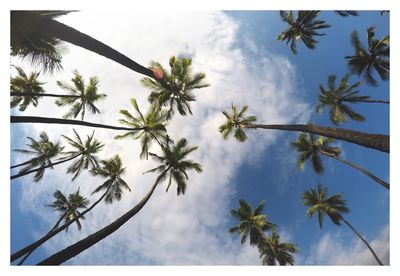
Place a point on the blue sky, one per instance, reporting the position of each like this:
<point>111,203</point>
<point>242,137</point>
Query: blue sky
<point>235,44</point>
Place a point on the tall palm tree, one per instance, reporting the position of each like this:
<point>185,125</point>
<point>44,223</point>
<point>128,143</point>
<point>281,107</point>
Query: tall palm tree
<point>282,251</point>
<point>21,84</point>
<point>88,95</point>
<point>374,141</point>
<point>336,98</point>
<point>112,170</point>
<point>177,90</point>
<point>174,164</point>
<point>30,27</point>
<point>236,121</point>
<point>310,148</point>
<point>152,126</point>
<point>303,27</point>
<point>333,206</point>
<point>85,150</point>
<point>376,56</point>
<point>44,151</point>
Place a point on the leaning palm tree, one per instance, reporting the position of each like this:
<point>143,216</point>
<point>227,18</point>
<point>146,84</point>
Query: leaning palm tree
<point>88,95</point>
<point>112,170</point>
<point>44,151</point>
<point>22,84</point>
<point>310,148</point>
<point>333,206</point>
<point>376,56</point>
<point>174,164</point>
<point>303,27</point>
<point>234,121</point>
<point>176,92</point>
<point>85,150</point>
<point>150,127</point>
<point>282,251</point>
<point>336,99</point>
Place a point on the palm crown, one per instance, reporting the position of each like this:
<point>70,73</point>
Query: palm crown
<point>335,97</point>
<point>150,127</point>
<point>303,27</point>
<point>319,202</point>
<point>280,253</point>
<point>174,165</point>
<point>88,95</point>
<point>24,84</point>
<point>176,89</point>
<point>43,150</point>
<point>86,150</point>
<point>376,56</point>
<point>112,170</point>
<point>68,208</point>
<point>236,120</point>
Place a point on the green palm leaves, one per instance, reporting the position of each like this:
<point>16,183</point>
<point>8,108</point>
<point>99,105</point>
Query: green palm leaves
<point>236,121</point>
<point>174,165</point>
<point>150,127</point>
<point>375,56</point>
<point>274,251</point>
<point>86,96</point>
<point>112,170</point>
<point>303,27</point>
<point>24,84</point>
<point>176,89</point>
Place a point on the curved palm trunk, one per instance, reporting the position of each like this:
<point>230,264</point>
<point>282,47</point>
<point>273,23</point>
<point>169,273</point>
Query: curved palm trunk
<point>361,169</point>
<point>44,167</point>
<point>364,241</point>
<point>374,141</point>
<point>19,165</point>
<point>14,94</point>
<point>370,101</point>
<point>54,231</point>
<point>46,120</point>
<point>267,241</point>
<point>91,240</point>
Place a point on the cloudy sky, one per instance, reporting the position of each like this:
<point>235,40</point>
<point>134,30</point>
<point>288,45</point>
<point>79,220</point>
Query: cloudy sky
<point>245,65</point>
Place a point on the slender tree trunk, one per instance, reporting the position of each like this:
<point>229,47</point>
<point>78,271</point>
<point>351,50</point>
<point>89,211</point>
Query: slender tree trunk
<point>46,120</point>
<point>370,101</point>
<point>268,242</point>
<point>374,141</point>
<point>19,165</point>
<point>13,94</point>
<point>361,169</point>
<point>78,247</point>
<point>30,248</point>
<point>365,242</point>
<point>44,167</point>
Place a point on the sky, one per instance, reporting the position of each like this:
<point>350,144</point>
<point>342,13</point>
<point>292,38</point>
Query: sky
<point>244,64</point>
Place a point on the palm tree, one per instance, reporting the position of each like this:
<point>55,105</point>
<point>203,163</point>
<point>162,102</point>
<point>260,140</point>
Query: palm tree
<point>310,148</point>
<point>23,84</point>
<point>112,170</point>
<point>375,56</point>
<point>347,13</point>
<point>152,126</point>
<point>86,150</point>
<point>282,251</point>
<point>30,27</point>
<point>236,121</point>
<point>374,141</point>
<point>177,90</point>
<point>174,164</point>
<point>88,95</point>
<point>43,150</point>
<point>335,98</point>
<point>303,27</point>
<point>333,206</point>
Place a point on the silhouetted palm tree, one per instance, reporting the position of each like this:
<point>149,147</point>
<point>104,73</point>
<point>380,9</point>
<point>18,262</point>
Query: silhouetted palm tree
<point>280,253</point>
<point>234,121</point>
<point>152,126</point>
<point>336,98</point>
<point>376,56</point>
<point>303,27</point>
<point>347,13</point>
<point>333,206</point>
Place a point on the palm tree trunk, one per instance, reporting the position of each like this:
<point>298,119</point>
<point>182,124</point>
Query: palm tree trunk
<point>82,245</point>
<point>371,101</point>
<point>30,248</point>
<point>374,141</point>
<point>268,242</point>
<point>19,165</point>
<point>44,167</point>
<point>361,169</point>
<point>361,238</point>
<point>13,94</point>
<point>46,120</point>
